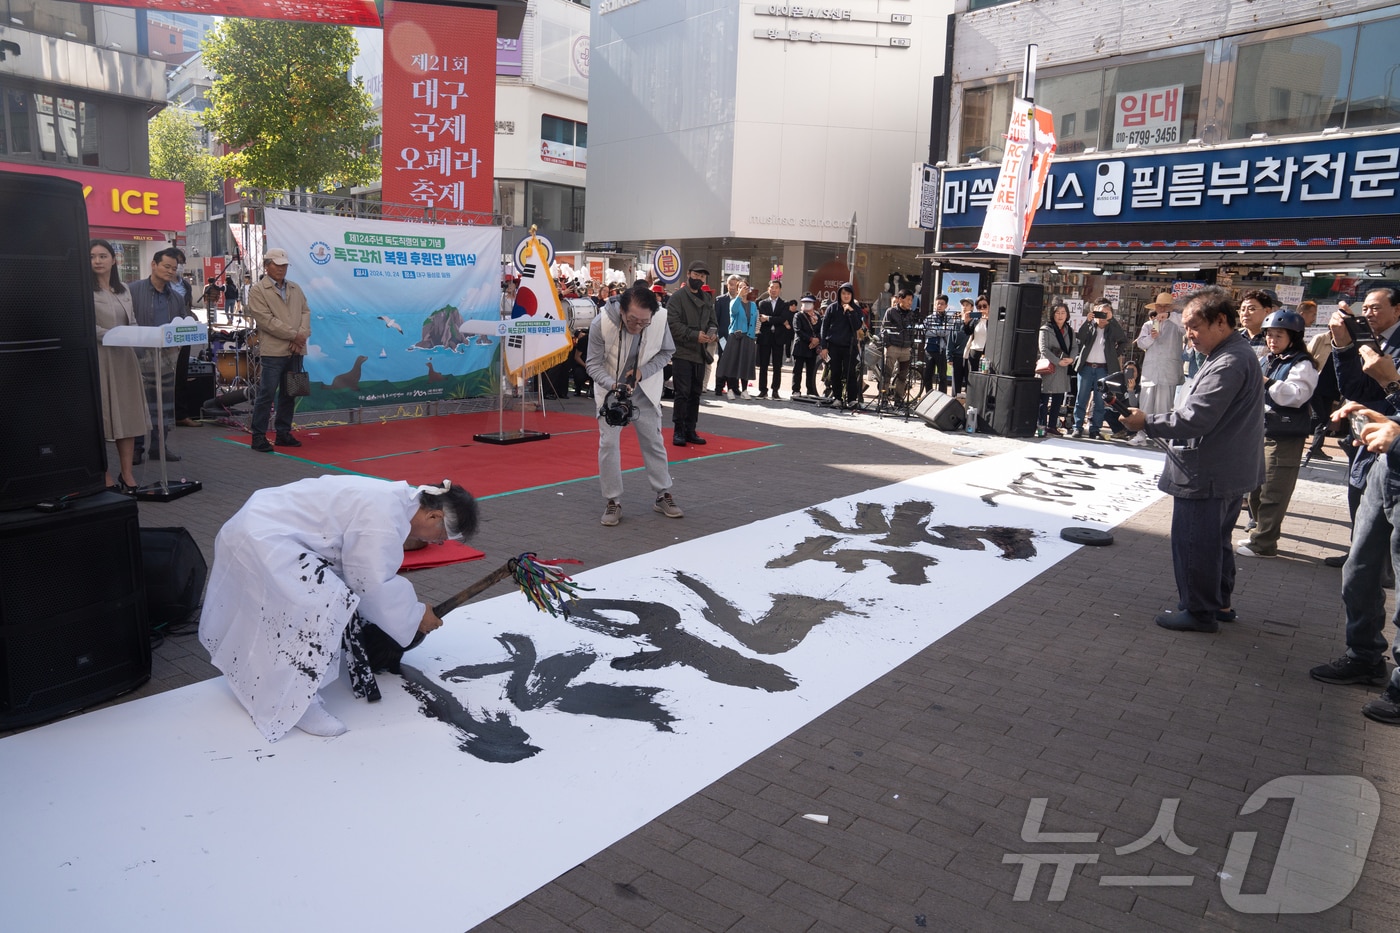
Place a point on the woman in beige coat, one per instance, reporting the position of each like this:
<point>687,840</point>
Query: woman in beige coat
<point>124,416</point>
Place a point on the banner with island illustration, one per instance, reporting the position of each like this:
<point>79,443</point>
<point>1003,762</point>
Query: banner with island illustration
<point>387,303</point>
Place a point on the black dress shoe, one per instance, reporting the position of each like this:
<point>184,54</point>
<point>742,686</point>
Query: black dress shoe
<point>1336,560</point>
<point>1186,622</point>
<point>261,445</point>
<point>678,439</point>
<point>693,438</point>
<point>287,440</point>
<point>168,455</point>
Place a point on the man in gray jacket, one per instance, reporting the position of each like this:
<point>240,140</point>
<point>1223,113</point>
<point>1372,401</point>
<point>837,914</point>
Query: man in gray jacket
<point>1217,455</point>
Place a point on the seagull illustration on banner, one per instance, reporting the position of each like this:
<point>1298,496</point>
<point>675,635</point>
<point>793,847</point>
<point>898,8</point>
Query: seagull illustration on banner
<point>390,322</point>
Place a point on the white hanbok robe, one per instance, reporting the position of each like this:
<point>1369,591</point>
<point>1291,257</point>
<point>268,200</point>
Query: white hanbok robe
<point>290,568</point>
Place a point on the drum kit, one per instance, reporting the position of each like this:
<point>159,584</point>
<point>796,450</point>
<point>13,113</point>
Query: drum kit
<point>233,351</point>
<point>874,369</point>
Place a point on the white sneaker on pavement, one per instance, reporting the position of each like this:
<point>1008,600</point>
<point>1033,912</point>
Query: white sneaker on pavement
<point>613,513</point>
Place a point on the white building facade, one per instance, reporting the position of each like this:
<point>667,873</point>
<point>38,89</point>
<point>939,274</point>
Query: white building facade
<point>748,134</point>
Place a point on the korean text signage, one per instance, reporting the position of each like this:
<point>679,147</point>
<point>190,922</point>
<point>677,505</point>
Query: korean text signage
<point>121,202</point>
<point>388,300</point>
<point>1335,177</point>
<point>439,107</point>
<point>1148,118</point>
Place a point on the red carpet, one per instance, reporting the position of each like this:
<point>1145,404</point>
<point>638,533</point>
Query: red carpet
<point>429,449</point>
<point>439,555</point>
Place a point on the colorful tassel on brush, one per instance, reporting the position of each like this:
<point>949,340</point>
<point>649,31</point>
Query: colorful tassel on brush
<point>544,584</point>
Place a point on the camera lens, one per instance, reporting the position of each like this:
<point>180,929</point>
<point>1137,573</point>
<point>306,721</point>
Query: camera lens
<point>1103,168</point>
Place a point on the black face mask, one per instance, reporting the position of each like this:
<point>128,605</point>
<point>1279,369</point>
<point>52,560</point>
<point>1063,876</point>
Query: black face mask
<point>695,284</point>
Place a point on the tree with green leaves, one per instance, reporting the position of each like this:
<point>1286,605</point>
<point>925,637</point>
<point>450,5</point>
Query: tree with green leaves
<point>284,106</point>
<point>178,152</point>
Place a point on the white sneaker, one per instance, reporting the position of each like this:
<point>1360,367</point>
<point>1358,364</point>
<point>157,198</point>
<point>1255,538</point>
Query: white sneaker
<point>1139,439</point>
<point>1245,549</point>
<point>613,513</point>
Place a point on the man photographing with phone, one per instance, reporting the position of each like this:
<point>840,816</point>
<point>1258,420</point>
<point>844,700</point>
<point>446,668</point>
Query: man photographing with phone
<point>1364,352</point>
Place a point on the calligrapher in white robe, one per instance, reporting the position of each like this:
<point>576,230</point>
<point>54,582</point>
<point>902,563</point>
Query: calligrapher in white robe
<point>290,568</point>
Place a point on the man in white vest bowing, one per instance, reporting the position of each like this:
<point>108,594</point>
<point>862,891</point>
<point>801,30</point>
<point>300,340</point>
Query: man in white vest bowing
<point>629,344</point>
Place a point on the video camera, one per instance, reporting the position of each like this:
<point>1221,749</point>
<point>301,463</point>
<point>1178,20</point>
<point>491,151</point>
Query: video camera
<point>1113,386</point>
<point>618,410</point>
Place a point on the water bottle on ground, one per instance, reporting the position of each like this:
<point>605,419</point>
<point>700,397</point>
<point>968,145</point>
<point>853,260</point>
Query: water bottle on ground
<point>971,426</point>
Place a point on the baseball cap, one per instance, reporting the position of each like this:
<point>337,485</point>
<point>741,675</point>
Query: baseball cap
<point>277,257</point>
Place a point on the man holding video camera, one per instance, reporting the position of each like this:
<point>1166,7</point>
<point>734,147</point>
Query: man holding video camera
<point>1216,456</point>
<point>629,344</point>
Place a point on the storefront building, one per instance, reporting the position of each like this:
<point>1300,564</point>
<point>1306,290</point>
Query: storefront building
<point>74,100</point>
<point>1247,145</point>
<point>750,135</point>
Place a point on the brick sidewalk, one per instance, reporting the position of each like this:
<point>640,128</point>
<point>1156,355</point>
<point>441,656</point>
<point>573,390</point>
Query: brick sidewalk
<point>1064,690</point>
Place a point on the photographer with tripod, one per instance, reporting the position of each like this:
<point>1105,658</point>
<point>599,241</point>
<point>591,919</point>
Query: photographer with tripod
<point>629,346</point>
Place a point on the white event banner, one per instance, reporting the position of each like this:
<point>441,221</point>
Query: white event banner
<point>1030,145</point>
<point>517,745</point>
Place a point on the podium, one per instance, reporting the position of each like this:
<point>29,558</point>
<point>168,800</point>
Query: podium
<point>503,329</point>
<point>181,332</point>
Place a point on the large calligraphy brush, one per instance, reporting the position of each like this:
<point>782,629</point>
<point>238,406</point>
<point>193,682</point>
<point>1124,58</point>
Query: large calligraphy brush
<point>546,586</point>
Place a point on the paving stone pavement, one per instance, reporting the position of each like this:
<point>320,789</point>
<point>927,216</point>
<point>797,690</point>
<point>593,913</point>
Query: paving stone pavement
<point>1063,691</point>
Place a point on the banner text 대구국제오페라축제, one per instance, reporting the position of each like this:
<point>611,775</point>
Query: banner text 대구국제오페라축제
<point>387,303</point>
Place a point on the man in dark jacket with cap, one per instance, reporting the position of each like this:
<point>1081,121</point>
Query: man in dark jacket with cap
<point>691,316</point>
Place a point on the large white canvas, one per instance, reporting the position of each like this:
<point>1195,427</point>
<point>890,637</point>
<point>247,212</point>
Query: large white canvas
<point>172,813</point>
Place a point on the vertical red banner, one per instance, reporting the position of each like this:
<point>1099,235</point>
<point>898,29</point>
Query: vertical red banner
<point>439,117</point>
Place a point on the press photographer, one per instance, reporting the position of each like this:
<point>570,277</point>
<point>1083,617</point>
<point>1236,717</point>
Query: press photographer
<point>629,344</point>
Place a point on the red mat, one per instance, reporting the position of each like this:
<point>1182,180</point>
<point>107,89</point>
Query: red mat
<point>429,449</point>
<point>439,555</point>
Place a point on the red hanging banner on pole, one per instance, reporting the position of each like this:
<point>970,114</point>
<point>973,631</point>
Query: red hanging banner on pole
<point>439,117</point>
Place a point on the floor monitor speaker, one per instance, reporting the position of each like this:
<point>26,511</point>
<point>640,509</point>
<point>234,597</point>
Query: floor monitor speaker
<point>49,395</point>
<point>174,574</point>
<point>942,412</point>
<point>73,628</point>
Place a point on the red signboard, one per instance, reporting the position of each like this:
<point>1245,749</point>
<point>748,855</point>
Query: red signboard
<point>348,12</point>
<point>439,117</point>
<point>120,202</point>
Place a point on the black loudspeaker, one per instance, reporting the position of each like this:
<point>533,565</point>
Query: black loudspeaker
<point>73,628</point>
<point>49,396</point>
<point>942,412</point>
<point>196,389</point>
<point>1013,328</point>
<point>175,571</point>
<point>1006,405</point>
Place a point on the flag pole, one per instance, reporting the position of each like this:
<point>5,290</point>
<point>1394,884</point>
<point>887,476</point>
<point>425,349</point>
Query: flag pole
<point>1027,94</point>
